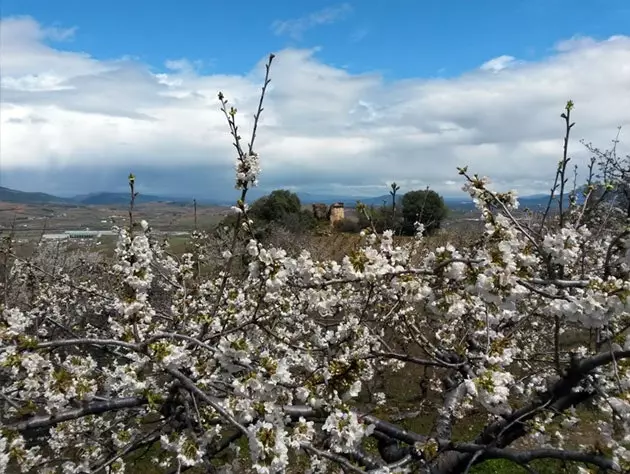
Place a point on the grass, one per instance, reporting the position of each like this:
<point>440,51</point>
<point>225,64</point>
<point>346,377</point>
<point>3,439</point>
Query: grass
<point>501,466</point>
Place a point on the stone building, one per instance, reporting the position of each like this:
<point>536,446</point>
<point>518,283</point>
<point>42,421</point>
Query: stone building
<point>333,213</point>
<point>336,213</point>
<point>320,211</point>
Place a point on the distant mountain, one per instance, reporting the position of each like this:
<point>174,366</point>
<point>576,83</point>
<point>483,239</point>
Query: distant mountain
<point>21,197</point>
<point>460,203</point>
<point>113,199</point>
<point>534,202</point>
<point>98,199</point>
<point>463,203</point>
<point>349,201</point>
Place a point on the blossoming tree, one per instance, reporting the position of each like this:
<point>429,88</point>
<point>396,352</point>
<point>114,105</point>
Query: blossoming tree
<point>268,355</point>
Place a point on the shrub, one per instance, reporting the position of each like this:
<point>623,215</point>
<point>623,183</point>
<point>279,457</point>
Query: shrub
<point>424,206</point>
<point>347,225</point>
<point>298,222</point>
<point>380,218</point>
<point>276,206</point>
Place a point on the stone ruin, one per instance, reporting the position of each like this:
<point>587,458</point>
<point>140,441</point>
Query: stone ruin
<point>320,211</point>
<point>333,213</point>
<point>336,213</point>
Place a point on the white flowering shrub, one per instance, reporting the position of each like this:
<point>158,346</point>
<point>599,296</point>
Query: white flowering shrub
<point>257,368</point>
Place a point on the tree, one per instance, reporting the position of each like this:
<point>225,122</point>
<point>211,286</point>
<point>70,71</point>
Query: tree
<point>94,374</point>
<point>276,206</point>
<point>425,206</point>
<point>383,217</point>
<point>369,216</point>
<point>281,209</point>
<point>394,189</point>
<point>611,182</point>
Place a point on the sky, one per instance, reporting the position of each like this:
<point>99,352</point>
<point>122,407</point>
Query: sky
<point>363,93</point>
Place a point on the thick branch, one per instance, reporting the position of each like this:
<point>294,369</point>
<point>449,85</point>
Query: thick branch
<point>524,457</point>
<point>94,408</point>
<point>558,398</point>
<point>444,422</point>
<point>418,361</point>
<point>86,342</point>
<point>190,385</point>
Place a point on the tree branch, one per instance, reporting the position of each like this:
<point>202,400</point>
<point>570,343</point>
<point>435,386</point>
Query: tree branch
<point>524,457</point>
<point>94,408</point>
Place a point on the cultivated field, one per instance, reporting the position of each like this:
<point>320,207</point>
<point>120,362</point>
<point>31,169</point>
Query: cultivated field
<point>35,218</point>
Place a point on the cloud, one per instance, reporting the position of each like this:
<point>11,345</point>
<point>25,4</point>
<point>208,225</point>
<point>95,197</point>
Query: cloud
<point>296,27</point>
<point>575,42</point>
<point>72,123</point>
<point>498,64</point>
<point>183,65</point>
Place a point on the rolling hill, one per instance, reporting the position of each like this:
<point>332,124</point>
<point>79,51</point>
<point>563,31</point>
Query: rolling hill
<point>122,199</point>
<point>22,197</point>
<point>102,198</point>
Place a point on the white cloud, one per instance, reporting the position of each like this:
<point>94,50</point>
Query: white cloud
<point>498,64</point>
<point>296,27</point>
<point>323,129</point>
<point>183,65</point>
<point>575,42</point>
